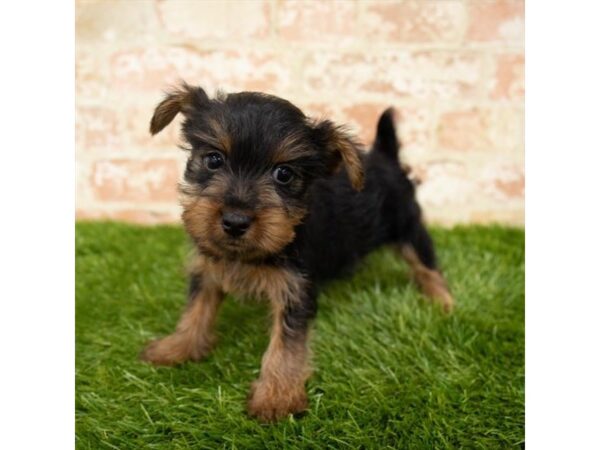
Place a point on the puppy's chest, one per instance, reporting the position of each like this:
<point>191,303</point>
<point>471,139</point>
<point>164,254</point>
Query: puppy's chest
<point>263,281</point>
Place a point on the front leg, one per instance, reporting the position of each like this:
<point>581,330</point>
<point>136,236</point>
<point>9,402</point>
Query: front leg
<point>193,339</point>
<point>280,390</point>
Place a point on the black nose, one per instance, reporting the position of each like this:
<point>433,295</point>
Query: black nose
<point>235,224</point>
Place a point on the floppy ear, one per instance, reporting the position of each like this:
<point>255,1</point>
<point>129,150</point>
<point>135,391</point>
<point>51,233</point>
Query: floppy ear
<point>182,99</point>
<point>341,148</point>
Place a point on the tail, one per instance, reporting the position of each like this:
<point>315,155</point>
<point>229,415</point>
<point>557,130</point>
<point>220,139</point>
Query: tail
<point>386,140</point>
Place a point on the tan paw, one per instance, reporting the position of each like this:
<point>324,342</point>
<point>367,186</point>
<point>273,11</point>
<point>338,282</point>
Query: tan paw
<point>268,402</point>
<point>434,286</point>
<point>175,349</point>
<point>444,298</point>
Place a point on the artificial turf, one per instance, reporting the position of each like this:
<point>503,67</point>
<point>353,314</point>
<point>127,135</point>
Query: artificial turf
<point>390,370</point>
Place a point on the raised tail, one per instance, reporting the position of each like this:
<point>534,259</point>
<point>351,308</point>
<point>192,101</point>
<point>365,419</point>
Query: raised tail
<point>386,140</point>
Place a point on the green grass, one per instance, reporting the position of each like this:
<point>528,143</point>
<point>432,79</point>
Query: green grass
<point>390,370</point>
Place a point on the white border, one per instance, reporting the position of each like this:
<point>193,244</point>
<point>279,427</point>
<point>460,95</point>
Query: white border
<point>37,238</point>
<point>563,225</point>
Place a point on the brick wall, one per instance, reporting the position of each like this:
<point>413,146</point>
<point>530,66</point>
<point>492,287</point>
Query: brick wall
<point>453,68</point>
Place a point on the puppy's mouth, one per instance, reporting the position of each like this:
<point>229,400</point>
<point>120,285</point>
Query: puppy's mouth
<point>233,243</point>
<point>232,237</point>
<point>233,246</point>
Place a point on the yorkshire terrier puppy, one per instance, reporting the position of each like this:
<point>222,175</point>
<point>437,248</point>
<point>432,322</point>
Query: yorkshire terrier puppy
<point>276,204</point>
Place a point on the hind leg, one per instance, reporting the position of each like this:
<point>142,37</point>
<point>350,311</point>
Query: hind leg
<point>417,250</point>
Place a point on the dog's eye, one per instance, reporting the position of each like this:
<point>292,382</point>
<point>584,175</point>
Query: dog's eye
<point>214,160</point>
<point>283,174</point>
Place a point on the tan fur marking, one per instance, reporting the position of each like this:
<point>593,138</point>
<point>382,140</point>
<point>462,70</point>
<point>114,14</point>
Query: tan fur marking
<point>271,231</point>
<point>261,281</point>
<point>199,217</point>
<point>193,338</point>
<point>352,161</point>
<point>291,147</point>
<point>217,142</point>
<point>275,229</point>
<point>216,137</point>
<point>431,282</point>
<point>280,391</point>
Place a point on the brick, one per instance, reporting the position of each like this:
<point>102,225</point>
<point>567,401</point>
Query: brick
<point>317,20</point>
<point>91,76</point>
<point>446,183</point>
<point>135,180</point>
<point>502,20</point>
<point>509,80</point>
<point>215,19</point>
<point>514,215</point>
<point>319,111</point>
<point>508,129</point>
<point>83,196</point>
<point>141,216</point>
<point>465,130</point>
<point>454,191</point>
<point>502,181</point>
<point>412,123</point>
<point>108,129</point>
<point>481,129</point>
<point>512,188</point>
<point>430,74</point>
<point>115,21</point>
<point>414,21</point>
<point>154,69</point>
<point>362,117</point>
<point>148,69</point>
<point>235,71</point>
<point>96,126</point>
<point>135,131</point>
<point>414,127</point>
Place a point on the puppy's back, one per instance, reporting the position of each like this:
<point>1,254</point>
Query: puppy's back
<point>343,225</point>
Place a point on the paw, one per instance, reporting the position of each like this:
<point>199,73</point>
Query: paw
<point>269,402</point>
<point>434,286</point>
<point>175,349</point>
<point>444,298</point>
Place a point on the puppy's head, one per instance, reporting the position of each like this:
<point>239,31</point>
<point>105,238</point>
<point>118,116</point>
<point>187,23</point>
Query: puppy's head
<point>253,158</point>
